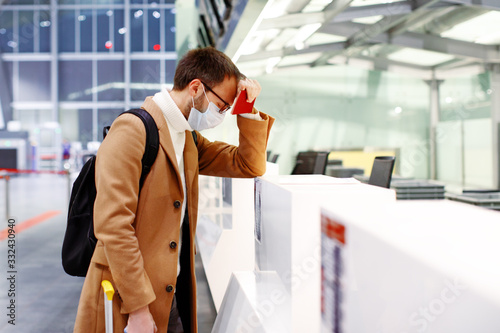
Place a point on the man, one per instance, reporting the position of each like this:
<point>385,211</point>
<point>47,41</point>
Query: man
<point>146,243</point>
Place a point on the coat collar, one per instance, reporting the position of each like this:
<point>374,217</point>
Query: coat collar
<point>165,138</point>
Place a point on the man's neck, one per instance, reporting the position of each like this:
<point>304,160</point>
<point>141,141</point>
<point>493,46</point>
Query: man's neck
<point>180,97</point>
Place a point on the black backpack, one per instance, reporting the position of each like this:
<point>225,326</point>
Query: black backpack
<point>79,240</point>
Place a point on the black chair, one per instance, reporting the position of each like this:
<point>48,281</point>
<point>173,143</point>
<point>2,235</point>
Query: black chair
<point>382,171</point>
<point>311,163</point>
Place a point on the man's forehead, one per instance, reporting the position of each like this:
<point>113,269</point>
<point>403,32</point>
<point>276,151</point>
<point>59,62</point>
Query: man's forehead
<point>228,89</point>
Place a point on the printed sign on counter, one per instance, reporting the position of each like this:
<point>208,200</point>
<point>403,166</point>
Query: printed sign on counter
<point>332,273</point>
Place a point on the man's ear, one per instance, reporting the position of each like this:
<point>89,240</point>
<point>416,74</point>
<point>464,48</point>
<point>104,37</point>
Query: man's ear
<point>195,87</point>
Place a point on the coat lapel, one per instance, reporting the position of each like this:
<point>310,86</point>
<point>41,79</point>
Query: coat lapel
<point>165,139</point>
<point>190,160</point>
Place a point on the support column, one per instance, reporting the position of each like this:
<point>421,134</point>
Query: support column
<point>127,50</point>
<point>54,61</point>
<point>433,122</point>
<point>495,120</point>
<point>5,95</point>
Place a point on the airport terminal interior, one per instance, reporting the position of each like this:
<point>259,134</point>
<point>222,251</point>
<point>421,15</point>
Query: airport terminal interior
<point>380,205</point>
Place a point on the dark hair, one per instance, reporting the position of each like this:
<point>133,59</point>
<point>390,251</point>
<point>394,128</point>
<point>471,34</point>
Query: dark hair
<point>207,64</point>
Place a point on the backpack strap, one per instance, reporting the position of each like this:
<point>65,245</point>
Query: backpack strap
<point>152,141</point>
<point>195,137</point>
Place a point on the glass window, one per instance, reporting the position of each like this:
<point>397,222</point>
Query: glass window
<point>69,124</point>
<point>85,19</point>
<point>170,30</point>
<point>137,26</point>
<point>169,71</point>
<point>85,126</point>
<point>105,117</point>
<point>110,79</point>
<point>75,80</point>
<point>6,32</point>
<point>119,31</point>
<point>7,71</point>
<point>104,43</point>
<point>66,31</point>
<point>34,81</point>
<point>27,31</point>
<point>154,43</point>
<point>145,77</point>
<point>44,31</point>
<point>137,1</point>
<point>32,118</point>
<point>23,2</point>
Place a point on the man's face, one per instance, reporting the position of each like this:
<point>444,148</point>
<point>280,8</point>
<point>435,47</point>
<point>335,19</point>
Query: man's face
<point>222,94</point>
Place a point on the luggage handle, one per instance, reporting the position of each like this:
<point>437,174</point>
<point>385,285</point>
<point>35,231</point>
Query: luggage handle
<point>109,291</point>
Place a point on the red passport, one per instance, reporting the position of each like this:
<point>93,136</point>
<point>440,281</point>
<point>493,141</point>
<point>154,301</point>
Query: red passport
<point>241,105</point>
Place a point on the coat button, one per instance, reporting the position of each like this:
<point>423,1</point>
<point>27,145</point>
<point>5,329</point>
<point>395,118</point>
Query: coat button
<point>177,204</point>
<point>170,288</point>
<point>173,245</point>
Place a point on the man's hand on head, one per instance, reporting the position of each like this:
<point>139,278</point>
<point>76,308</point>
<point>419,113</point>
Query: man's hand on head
<point>252,87</point>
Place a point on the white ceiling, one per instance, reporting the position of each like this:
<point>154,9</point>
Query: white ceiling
<point>427,38</point>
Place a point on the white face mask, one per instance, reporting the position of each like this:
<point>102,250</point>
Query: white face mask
<point>204,120</point>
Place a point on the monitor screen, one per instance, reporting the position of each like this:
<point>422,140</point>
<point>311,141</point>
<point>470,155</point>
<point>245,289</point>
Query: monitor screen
<point>8,158</point>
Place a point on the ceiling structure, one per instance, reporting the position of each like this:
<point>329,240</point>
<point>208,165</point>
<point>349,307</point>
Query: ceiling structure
<point>423,38</point>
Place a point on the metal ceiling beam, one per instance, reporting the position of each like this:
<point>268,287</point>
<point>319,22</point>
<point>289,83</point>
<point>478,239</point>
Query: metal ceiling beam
<point>488,4</point>
<point>484,53</point>
<point>299,19</point>
<point>385,24</point>
<point>291,51</point>
<point>296,6</point>
<point>386,9</point>
<point>292,21</point>
<point>438,21</point>
<point>369,32</point>
<point>423,19</point>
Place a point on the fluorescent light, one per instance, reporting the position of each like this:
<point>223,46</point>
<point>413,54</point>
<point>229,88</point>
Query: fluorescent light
<point>316,6</point>
<point>303,34</point>
<point>275,9</point>
<point>323,38</point>
<point>369,19</point>
<point>300,59</point>
<point>279,42</point>
<point>420,57</point>
<point>482,29</point>
<point>361,3</point>
<point>398,109</point>
<point>138,13</point>
<point>271,63</point>
<point>253,42</point>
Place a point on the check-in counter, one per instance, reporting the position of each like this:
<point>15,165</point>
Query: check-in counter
<point>419,266</point>
<point>225,229</point>
<point>287,243</point>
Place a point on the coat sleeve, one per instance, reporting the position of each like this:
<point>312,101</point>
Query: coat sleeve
<point>118,170</point>
<point>244,161</point>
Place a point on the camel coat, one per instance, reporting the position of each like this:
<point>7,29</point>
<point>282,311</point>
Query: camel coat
<point>138,235</point>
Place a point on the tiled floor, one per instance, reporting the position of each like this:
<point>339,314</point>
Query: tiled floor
<point>46,297</point>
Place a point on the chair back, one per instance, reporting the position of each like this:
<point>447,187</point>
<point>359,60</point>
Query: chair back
<point>382,171</point>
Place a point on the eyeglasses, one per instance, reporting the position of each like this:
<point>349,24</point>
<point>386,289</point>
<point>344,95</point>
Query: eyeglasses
<point>226,106</point>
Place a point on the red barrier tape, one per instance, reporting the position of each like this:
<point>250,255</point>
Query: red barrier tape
<point>34,171</point>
